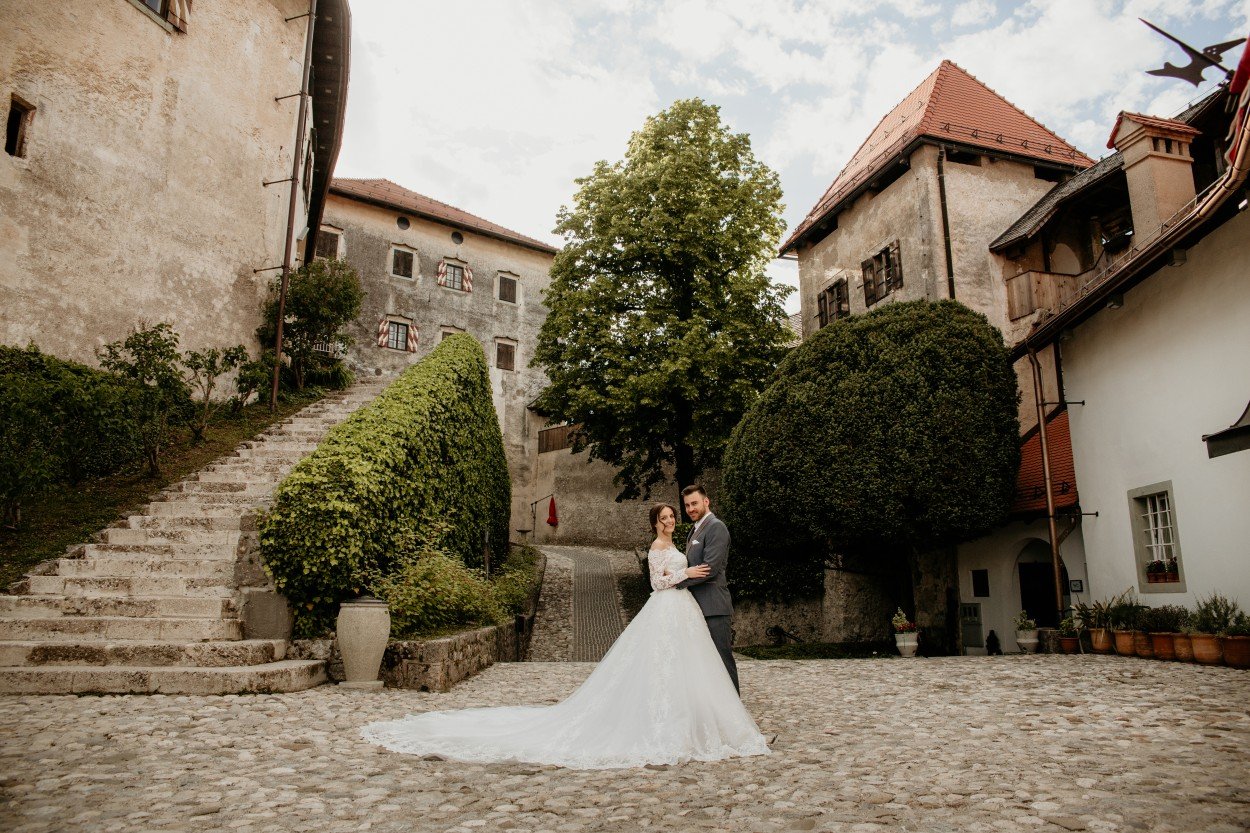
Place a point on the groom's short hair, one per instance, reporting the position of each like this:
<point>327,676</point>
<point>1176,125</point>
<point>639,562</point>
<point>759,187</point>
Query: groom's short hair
<point>690,490</point>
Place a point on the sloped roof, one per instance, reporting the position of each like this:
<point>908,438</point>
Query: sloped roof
<point>1030,482</point>
<point>387,194</point>
<point>1032,220</point>
<point>1174,126</point>
<point>948,106</point>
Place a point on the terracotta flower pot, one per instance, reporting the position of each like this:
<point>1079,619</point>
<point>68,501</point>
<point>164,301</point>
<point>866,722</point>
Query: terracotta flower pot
<point>1100,640</point>
<point>1069,644</point>
<point>1237,651</point>
<point>1124,643</point>
<point>1206,648</point>
<point>1181,645</point>
<point>1163,645</point>
<point>1142,646</point>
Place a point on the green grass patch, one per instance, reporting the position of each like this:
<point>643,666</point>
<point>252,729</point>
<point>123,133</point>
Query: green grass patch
<point>820,650</point>
<point>68,515</point>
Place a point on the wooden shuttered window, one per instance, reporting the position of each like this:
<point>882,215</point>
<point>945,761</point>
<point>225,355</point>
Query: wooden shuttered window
<point>834,302</point>
<point>507,289</point>
<point>883,273</point>
<point>505,355</point>
<point>327,245</point>
<point>401,263</point>
<point>557,438</point>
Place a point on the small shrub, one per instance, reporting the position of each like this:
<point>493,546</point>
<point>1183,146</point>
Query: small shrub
<point>1164,619</point>
<point>204,368</point>
<point>1216,613</point>
<point>1068,627</point>
<point>514,581</point>
<point>254,377</point>
<point>435,592</point>
<point>1022,622</point>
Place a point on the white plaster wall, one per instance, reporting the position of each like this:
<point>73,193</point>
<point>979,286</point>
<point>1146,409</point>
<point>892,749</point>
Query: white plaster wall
<point>999,553</point>
<point>140,196</point>
<point>1171,365</point>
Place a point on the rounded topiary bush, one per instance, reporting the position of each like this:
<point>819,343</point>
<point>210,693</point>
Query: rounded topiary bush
<point>425,460</point>
<point>888,432</point>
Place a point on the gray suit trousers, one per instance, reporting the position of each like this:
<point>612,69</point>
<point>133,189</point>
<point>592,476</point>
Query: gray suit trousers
<point>721,628</point>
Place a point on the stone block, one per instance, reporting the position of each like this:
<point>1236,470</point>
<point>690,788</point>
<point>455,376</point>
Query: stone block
<point>265,614</point>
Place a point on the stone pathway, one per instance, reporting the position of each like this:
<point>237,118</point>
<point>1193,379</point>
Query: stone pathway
<point>579,610</point>
<point>974,744</point>
<point>552,640</point>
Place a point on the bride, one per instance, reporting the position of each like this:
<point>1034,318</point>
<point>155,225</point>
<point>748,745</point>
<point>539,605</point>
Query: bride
<point>660,695</point>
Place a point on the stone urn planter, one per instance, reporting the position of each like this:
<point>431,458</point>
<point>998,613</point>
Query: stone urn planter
<point>1182,648</point>
<point>1237,651</point>
<point>1100,641</point>
<point>1142,646</point>
<point>1163,646</point>
<point>1124,643</point>
<point>1027,640</point>
<point>363,628</point>
<point>907,643</point>
<point>1206,647</point>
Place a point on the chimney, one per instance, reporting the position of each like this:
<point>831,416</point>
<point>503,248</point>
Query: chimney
<point>1158,166</point>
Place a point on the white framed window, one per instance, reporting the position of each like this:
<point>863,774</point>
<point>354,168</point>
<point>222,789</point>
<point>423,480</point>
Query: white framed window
<point>509,288</point>
<point>1156,538</point>
<point>505,354</point>
<point>329,243</point>
<point>403,262</point>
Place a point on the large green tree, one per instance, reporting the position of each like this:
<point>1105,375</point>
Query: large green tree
<point>322,297</point>
<point>663,326</point>
<point>882,436</point>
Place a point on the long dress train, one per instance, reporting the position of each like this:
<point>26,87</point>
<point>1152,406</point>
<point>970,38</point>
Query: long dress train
<point>659,696</point>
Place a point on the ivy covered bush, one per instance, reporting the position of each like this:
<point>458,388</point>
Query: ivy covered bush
<point>425,460</point>
<point>890,432</point>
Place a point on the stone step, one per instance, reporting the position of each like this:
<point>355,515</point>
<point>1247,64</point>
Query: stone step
<point>50,607</point>
<point>159,552</point>
<point>202,487</point>
<point>270,455</point>
<point>224,501</point>
<point>165,628</point>
<point>226,540</point>
<point>283,445</point>
<point>281,676</point>
<point>143,564</point>
<point>214,586</point>
<point>140,652</point>
<point>209,523</point>
<point>197,508</point>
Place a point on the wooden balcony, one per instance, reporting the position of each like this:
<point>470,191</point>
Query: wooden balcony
<point>1034,290</point>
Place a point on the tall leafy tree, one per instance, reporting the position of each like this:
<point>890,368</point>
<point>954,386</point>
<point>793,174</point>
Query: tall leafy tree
<point>322,297</point>
<point>663,326</point>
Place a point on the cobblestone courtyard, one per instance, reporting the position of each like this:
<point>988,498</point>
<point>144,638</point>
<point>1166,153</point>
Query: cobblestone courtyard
<point>1043,743</point>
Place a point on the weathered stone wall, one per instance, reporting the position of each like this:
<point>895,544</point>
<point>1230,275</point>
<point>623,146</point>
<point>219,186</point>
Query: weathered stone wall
<point>752,621</point>
<point>139,197</point>
<point>369,232</point>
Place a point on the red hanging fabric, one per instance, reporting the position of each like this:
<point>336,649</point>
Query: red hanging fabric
<point>552,518</point>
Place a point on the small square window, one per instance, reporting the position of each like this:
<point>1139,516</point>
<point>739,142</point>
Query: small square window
<point>401,263</point>
<point>505,355</point>
<point>20,115</point>
<point>328,245</point>
<point>507,289</point>
<point>397,335</point>
<point>455,277</point>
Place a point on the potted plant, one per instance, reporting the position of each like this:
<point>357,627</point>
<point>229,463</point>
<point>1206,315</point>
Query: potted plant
<point>1213,615</point>
<point>1124,613</point>
<point>1095,618</point>
<point>1172,570</point>
<point>1162,624</point>
<point>1237,643</point>
<point>1069,635</point>
<point>905,636</point>
<point>1026,632</point>
<point>1155,571</point>
<point>1181,644</point>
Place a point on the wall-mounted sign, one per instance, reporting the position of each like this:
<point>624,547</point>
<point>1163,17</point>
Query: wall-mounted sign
<point>1076,585</point>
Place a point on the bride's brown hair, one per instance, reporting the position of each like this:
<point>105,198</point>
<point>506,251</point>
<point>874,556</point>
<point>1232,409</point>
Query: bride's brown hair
<point>655,515</point>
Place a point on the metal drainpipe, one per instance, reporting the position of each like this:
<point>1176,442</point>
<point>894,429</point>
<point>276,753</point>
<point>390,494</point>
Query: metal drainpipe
<point>297,159</point>
<point>946,226</point>
<point>1050,491</point>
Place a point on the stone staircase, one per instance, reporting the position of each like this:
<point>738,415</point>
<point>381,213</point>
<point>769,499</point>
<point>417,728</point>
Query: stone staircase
<point>172,600</point>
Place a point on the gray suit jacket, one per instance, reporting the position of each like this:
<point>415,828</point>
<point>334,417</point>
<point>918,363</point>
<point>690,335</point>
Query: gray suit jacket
<point>711,547</point>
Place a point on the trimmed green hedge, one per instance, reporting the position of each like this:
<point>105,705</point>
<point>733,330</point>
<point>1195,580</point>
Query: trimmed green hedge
<point>885,433</point>
<point>424,459</point>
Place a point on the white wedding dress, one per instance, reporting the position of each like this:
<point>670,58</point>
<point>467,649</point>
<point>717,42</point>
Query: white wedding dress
<point>660,695</point>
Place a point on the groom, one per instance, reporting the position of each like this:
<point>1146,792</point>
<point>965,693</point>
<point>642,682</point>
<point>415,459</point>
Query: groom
<point>709,544</point>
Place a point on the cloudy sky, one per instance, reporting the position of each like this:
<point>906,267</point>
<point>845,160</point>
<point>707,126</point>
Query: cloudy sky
<point>496,106</point>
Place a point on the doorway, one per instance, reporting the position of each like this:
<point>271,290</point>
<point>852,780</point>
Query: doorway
<point>1037,584</point>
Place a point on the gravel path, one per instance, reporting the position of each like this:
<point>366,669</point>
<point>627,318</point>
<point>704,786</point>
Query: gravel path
<point>974,744</point>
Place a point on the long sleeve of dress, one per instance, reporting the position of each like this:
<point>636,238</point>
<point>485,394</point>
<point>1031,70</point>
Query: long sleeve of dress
<point>659,581</point>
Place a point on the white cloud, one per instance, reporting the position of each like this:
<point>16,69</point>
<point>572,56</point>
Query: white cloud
<point>972,12</point>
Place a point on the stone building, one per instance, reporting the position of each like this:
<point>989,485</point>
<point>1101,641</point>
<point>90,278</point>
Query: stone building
<point>429,269</point>
<point>140,136</point>
<point>912,216</point>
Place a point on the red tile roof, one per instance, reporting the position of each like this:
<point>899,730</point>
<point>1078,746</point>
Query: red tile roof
<point>952,106</point>
<point>389,195</point>
<point>1175,127</point>
<point>1030,484</point>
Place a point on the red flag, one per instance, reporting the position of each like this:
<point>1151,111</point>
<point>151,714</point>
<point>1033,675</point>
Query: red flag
<point>552,518</point>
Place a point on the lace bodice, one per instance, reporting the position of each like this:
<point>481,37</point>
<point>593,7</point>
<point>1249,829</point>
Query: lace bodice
<point>668,559</point>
